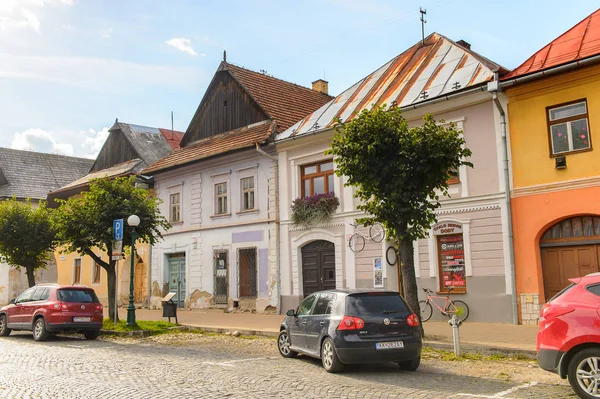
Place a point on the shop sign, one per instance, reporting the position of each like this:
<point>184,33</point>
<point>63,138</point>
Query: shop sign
<point>447,228</point>
<point>452,257</point>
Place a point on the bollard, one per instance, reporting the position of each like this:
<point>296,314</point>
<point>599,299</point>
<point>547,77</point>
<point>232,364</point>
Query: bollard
<point>455,322</point>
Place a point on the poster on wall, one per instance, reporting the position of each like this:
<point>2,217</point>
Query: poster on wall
<point>377,273</point>
<point>452,257</point>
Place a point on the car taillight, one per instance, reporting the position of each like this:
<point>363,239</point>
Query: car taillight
<point>549,311</point>
<point>412,320</point>
<point>99,308</point>
<point>60,306</point>
<point>351,323</point>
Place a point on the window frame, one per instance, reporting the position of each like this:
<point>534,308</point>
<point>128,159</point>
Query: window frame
<point>21,297</point>
<point>173,205</point>
<point>560,121</point>
<point>96,266</point>
<point>77,271</point>
<point>253,287</point>
<point>317,174</point>
<point>309,311</point>
<point>442,289</point>
<point>248,190</point>
<point>224,197</point>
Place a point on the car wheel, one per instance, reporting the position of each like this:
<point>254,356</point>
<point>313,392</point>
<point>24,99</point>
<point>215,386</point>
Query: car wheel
<point>410,365</point>
<point>584,373</point>
<point>4,330</point>
<point>39,330</point>
<point>329,357</point>
<point>91,335</point>
<point>284,343</point>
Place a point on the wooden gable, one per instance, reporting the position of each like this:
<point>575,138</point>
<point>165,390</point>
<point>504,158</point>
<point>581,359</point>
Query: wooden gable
<point>116,150</point>
<point>224,107</point>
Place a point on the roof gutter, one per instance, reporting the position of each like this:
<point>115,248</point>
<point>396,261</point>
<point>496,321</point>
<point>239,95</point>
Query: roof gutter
<point>552,71</point>
<point>478,89</point>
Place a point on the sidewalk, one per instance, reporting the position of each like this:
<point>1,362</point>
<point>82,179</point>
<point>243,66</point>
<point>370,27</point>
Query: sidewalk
<point>476,336</point>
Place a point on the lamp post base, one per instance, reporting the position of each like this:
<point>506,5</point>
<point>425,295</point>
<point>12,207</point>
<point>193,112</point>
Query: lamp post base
<point>130,315</point>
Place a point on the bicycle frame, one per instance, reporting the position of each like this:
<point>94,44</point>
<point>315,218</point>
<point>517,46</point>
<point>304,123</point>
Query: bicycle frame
<point>448,304</point>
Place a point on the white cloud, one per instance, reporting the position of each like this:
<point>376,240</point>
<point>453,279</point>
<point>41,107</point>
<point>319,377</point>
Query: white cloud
<point>182,44</point>
<point>41,141</point>
<point>25,13</point>
<point>98,74</point>
<point>106,33</point>
<point>32,19</point>
<point>88,143</point>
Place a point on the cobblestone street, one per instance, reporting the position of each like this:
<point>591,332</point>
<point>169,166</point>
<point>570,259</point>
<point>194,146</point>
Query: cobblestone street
<point>228,367</point>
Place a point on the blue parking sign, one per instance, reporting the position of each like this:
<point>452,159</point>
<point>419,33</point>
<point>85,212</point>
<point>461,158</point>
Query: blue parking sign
<point>118,229</point>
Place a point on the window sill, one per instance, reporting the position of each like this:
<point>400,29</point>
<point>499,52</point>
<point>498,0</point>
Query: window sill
<point>248,212</point>
<point>454,291</point>
<point>562,154</point>
<point>456,181</point>
<point>176,223</point>
<point>221,216</point>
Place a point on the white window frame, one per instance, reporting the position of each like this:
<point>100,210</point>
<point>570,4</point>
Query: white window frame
<point>223,196</point>
<point>175,207</point>
<point>244,173</point>
<point>173,190</point>
<point>216,180</point>
<point>249,190</point>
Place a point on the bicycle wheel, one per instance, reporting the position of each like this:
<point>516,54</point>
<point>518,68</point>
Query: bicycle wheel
<point>356,243</point>
<point>377,232</point>
<point>391,255</point>
<point>458,308</point>
<point>426,310</point>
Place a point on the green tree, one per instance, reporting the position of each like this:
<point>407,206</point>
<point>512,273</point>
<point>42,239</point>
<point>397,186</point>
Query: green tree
<point>399,173</point>
<point>85,222</point>
<point>26,235</point>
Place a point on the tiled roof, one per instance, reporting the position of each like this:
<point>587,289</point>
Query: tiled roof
<point>222,143</point>
<point>125,168</point>
<point>34,174</point>
<point>579,42</point>
<point>173,137</point>
<point>420,74</point>
<point>283,101</point>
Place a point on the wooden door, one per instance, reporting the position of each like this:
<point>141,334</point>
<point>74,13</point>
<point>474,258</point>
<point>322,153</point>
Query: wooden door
<point>559,264</point>
<point>139,280</point>
<point>318,267</point>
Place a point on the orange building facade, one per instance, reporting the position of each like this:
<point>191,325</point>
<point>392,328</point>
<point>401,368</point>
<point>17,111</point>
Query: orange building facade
<point>554,119</point>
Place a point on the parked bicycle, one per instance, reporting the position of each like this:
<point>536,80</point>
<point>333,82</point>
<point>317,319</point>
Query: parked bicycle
<point>356,242</point>
<point>391,255</point>
<point>451,307</point>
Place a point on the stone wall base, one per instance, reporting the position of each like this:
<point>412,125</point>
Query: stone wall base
<point>530,308</point>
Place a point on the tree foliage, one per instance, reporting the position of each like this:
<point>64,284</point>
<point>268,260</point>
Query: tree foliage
<point>26,235</point>
<point>85,222</point>
<point>399,173</point>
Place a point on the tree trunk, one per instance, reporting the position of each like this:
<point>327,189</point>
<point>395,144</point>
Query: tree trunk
<point>409,279</point>
<point>30,276</point>
<point>112,289</point>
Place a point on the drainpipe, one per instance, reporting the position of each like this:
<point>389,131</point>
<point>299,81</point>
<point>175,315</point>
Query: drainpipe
<point>511,248</point>
<point>149,272</point>
<point>277,243</point>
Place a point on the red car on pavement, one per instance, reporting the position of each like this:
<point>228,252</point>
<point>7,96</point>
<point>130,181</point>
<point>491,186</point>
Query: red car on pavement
<point>568,340</point>
<point>47,309</point>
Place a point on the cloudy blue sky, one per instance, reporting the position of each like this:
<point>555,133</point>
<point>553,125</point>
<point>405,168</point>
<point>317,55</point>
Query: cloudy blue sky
<point>68,68</point>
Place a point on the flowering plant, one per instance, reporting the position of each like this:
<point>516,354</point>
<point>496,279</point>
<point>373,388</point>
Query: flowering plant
<point>314,209</point>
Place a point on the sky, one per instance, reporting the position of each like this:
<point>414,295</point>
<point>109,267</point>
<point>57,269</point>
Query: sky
<point>69,68</point>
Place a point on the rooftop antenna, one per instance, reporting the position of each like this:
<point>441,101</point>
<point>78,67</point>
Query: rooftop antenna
<point>224,55</point>
<point>423,22</point>
<point>172,132</point>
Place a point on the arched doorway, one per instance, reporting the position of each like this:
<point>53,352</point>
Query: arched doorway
<point>570,248</point>
<point>318,266</point>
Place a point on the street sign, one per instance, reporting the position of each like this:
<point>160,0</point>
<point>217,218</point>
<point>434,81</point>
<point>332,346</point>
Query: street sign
<point>118,229</point>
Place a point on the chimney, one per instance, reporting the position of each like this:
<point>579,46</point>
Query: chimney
<point>322,86</point>
<point>464,44</point>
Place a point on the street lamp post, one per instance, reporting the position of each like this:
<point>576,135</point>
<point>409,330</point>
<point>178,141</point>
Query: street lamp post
<point>132,221</point>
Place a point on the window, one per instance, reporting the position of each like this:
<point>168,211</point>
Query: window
<point>453,176</point>
<point>221,198</point>
<point>324,304</point>
<point>306,306</point>
<point>247,185</point>
<point>95,273</point>
<point>77,271</point>
<point>376,303</point>
<point>77,295</point>
<point>247,267</point>
<point>175,207</point>
<point>41,294</point>
<point>451,255</point>
<point>25,295</point>
<point>569,128</point>
<point>317,178</point>
<point>594,289</point>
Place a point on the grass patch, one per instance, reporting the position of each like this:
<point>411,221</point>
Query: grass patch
<point>449,356</point>
<point>156,327</point>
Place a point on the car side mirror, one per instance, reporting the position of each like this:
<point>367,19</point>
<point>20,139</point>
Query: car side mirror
<point>291,313</point>
<point>12,301</point>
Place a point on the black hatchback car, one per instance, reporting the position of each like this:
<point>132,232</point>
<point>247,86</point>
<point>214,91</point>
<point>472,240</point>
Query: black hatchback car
<point>353,326</point>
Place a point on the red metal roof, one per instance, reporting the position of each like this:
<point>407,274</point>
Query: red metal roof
<point>237,139</point>
<point>173,137</point>
<point>579,42</point>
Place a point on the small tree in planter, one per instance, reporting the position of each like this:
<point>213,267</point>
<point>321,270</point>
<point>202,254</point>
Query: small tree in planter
<point>308,211</point>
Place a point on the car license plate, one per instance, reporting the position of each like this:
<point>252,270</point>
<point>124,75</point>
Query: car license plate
<point>81,319</point>
<point>389,345</point>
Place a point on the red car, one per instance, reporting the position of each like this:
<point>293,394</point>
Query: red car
<point>568,340</point>
<point>47,309</point>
